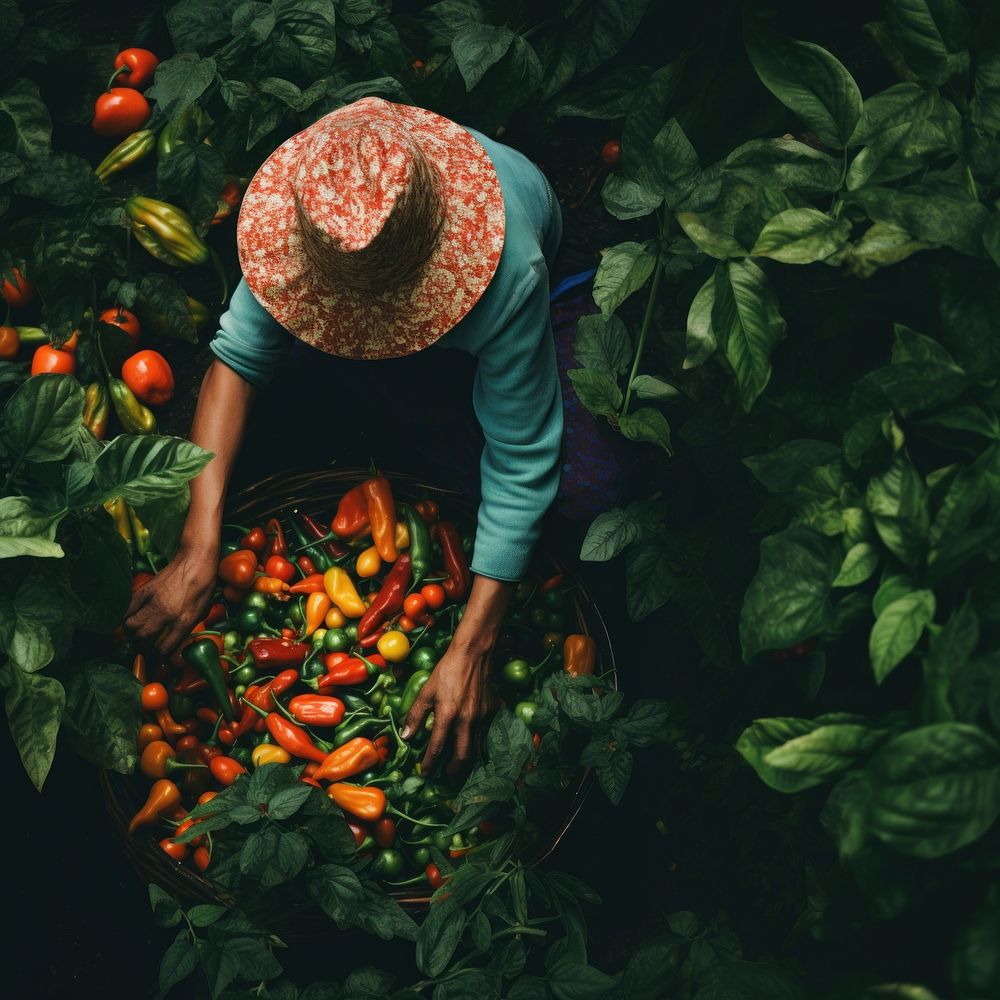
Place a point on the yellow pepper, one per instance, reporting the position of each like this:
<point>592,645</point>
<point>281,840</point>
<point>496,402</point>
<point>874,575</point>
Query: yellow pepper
<point>340,590</point>
<point>335,618</point>
<point>402,538</point>
<point>369,563</point>
<point>269,753</point>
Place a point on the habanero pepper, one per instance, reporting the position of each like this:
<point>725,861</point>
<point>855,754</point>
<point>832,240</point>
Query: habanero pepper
<point>579,655</point>
<point>316,709</point>
<point>225,770</point>
<point>341,590</point>
<point>278,653</point>
<point>163,796</point>
<point>456,565</point>
<point>421,555</point>
<point>254,539</point>
<point>367,803</point>
<point>382,515</point>
<point>203,655</point>
<point>351,520</point>
<point>354,757</point>
<point>239,568</point>
<point>389,600</point>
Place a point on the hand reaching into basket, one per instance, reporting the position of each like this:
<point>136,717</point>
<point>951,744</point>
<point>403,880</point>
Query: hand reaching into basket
<point>458,691</point>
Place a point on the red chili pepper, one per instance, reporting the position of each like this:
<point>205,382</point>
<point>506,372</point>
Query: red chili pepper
<point>206,714</point>
<point>434,876</point>
<point>351,520</point>
<point>384,832</point>
<point>285,680</point>
<point>456,566</point>
<point>280,568</point>
<point>294,738</point>
<point>389,600</point>
<point>317,709</point>
<point>360,832</point>
<point>371,641</point>
<point>428,510</point>
<point>314,530</point>
<point>278,652</point>
<point>216,613</point>
<point>312,584</point>
<point>308,566</point>
<point>276,534</point>
<point>225,770</point>
<point>169,725</point>
<point>382,514</point>
<point>254,539</point>
<point>190,681</point>
<point>343,672</point>
<point>239,568</point>
<point>551,583</point>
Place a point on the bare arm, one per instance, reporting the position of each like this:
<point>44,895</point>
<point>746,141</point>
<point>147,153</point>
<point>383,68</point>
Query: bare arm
<point>163,611</point>
<point>458,689</point>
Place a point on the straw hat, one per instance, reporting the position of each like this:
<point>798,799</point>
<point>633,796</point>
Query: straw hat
<point>371,233</point>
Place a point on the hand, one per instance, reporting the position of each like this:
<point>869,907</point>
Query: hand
<point>162,612</point>
<point>459,694</point>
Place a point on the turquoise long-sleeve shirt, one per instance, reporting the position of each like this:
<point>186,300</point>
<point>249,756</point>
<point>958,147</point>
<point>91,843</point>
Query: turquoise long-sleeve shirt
<point>516,392</point>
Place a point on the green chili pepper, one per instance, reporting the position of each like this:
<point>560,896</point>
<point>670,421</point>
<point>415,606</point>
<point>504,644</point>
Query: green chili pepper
<point>130,150</point>
<point>315,552</point>
<point>190,125</point>
<point>134,417</point>
<point>204,657</point>
<point>181,706</point>
<point>349,730</point>
<point>421,558</point>
<point>417,680</point>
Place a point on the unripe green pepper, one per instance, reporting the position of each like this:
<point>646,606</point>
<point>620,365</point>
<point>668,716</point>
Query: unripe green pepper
<point>204,657</point>
<point>190,125</point>
<point>168,234</point>
<point>134,417</point>
<point>96,410</point>
<point>131,149</point>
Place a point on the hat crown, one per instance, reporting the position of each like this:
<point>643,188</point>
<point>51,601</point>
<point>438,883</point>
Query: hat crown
<point>368,202</point>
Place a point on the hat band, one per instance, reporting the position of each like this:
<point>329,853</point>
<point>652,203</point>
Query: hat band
<point>397,254</point>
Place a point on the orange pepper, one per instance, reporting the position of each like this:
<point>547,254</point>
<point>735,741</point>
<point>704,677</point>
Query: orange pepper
<point>579,655</point>
<point>239,568</point>
<point>363,801</point>
<point>317,605</point>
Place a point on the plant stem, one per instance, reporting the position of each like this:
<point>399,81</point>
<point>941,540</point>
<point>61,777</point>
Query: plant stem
<point>643,332</point>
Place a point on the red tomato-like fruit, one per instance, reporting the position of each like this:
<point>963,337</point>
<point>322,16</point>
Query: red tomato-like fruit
<point>138,66</point>
<point>128,321</point>
<point>120,112</point>
<point>150,378</point>
<point>21,293</point>
<point>611,152</point>
<point>50,359</point>
<point>434,595</point>
<point>10,343</point>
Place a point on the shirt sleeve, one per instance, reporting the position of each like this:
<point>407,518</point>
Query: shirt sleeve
<point>250,340</point>
<point>518,403</point>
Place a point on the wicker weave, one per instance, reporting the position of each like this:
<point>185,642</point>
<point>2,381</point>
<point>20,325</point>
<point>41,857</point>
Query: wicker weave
<point>319,492</point>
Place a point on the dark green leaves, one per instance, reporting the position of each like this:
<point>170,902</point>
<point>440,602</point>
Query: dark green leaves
<point>808,80</point>
<point>192,175</point>
<point>179,82</point>
<point>38,420</point>
<point>597,391</point>
<point>932,36</point>
<point>478,47</point>
<point>898,503</point>
<point>34,706</point>
<point>602,344</point>
<point>30,125</point>
<point>788,599</point>
<point>624,269</point>
<point>438,937</point>
<point>801,236</point>
<point>103,714</point>
<point>898,629</point>
<point>139,468</point>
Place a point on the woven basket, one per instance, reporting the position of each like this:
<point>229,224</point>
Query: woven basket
<point>318,492</point>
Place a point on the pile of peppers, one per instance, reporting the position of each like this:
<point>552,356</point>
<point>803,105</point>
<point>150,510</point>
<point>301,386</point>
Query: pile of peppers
<point>318,640</point>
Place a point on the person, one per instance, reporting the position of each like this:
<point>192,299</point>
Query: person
<point>379,231</point>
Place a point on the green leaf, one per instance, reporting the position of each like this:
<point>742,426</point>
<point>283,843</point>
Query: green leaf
<point>614,775</point>
<point>650,387</point>
<point>623,270</point>
<point>287,802</point>
<point>801,236</point>
<point>647,424</point>
<point>671,166</point>
<point>609,98</point>
<point>34,706</point>
<point>192,175</point>
<point>785,163</point>
<point>596,390</point>
<point>627,199</point>
<point>784,468</point>
<point>788,599</point>
<point>32,126</point>
<point>178,962</point>
<point>179,82</point>
<point>139,468</point>
<point>898,502</point>
<point>746,318</point>
<point>101,573</point>
<point>808,80</point>
<point>60,179</point>
<point>749,981</point>
<point>602,28</point>
<point>206,914</point>
<point>570,980</point>
<point>765,735</point>
<point>608,534</point>
<point>253,22</point>
<point>650,580</point>
<point>274,856</point>
<point>165,520</point>
<point>195,26</point>
<point>103,714</point>
<point>438,937</point>
<point>883,110</point>
<point>898,629</point>
<point>303,44</point>
<point>932,36</point>
<point>39,418</point>
<point>932,129</point>
<point>166,910</point>
<point>477,47</point>
<point>826,751</point>
<point>336,889</point>
<point>700,338</point>
<point>602,344</point>
<point>935,789</point>
<point>652,967</point>
<point>25,531</point>
<point>861,561</point>
<point>163,305</point>
<point>645,723</point>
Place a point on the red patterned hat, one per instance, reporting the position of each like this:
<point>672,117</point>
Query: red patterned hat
<point>371,233</point>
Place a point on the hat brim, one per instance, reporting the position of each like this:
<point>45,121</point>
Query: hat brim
<point>399,321</point>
